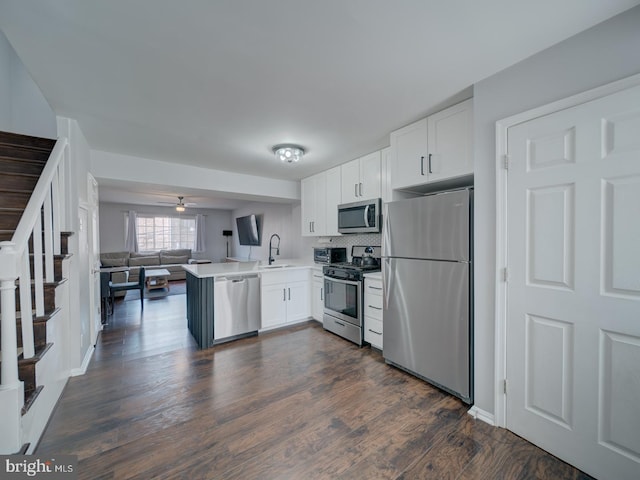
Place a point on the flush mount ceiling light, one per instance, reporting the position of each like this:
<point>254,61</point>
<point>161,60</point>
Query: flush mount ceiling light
<point>180,205</point>
<point>288,153</point>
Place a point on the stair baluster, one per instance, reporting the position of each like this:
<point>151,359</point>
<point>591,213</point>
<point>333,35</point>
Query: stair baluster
<point>37,265</point>
<point>28,344</point>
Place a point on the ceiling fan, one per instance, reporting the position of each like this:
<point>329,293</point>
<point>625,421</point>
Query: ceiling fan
<point>180,206</point>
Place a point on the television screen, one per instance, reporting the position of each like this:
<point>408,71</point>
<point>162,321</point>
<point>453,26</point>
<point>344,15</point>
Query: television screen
<point>248,230</point>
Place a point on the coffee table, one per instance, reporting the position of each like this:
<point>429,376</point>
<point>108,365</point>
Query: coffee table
<point>157,279</point>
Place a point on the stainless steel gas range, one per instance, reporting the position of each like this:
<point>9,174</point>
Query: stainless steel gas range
<point>343,297</point>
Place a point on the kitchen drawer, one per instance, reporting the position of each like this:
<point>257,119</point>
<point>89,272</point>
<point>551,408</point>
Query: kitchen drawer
<point>373,306</point>
<point>344,329</point>
<point>373,332</point>
<point>285,276</point>
<point>372,287</point>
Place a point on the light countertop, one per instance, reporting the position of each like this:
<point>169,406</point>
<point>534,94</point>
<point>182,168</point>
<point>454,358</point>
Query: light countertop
<point>209,270</point>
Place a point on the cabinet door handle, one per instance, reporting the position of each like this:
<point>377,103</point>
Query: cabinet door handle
<point>430,171</point>
<point>284,294</point>
<point>321,294</point>
<point>360,189</point>
<point>373,331</point>
<point>375,288</point>
<point>355,189</point>
<point>422,165</point>
<point>312,226</point>
<point>289,293</point>
<point>375,308</point>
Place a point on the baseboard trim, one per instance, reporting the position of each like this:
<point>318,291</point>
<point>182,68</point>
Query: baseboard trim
<point>480,414</point>
<point>76,372</point>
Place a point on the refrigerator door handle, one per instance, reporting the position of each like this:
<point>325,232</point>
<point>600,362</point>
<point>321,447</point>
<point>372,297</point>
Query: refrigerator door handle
<point>386,278</point>
<point>385,230</point>
<point>366,216</point>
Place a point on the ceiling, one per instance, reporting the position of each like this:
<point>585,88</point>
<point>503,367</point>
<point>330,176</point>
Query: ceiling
<point>217,83</point>
<point>135,193</point>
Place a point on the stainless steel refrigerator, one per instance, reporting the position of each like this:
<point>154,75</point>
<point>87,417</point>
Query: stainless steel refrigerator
<point>427,273</point>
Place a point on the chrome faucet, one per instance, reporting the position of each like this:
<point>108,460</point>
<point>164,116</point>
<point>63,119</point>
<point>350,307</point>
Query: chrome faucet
<point>271,259</point>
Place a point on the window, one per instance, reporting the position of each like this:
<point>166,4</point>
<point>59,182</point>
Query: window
<point>156,232</point>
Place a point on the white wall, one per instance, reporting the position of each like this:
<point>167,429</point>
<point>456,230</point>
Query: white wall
<point>81,276</point>
<point>6,54</point>
<point>112,227</point>
<point>23,108</point>
<point>607,52</point>
<point>276,218</point>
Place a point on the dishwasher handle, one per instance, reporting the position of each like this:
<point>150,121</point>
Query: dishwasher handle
<point>236,278</point>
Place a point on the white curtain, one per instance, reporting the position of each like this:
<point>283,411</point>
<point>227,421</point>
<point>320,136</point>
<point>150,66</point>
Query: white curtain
<point>131,240</point>
<point>200,244</point>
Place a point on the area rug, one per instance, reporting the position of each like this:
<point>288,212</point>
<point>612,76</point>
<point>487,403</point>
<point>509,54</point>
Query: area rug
<point>175,288</point>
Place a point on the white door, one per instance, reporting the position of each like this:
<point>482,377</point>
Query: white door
<point>94,255</point>
<point>85,276</point>
<point>573,294</point>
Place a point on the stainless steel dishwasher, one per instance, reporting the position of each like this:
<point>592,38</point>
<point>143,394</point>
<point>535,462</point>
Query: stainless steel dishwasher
<point>236,311</point>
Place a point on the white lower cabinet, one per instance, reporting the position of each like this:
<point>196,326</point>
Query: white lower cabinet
<point>284,297</point>
<point>317,295</point>
<point>373,331</point>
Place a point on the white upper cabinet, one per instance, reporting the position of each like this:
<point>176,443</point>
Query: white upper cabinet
<point>314,205</point>
<point>350,181</point>
<point>409,150</point>
<point>370,176</point>
<point>450,134</point>
<point>320,197</point>
<point>334,198</point>
<point>435,148</point>
<point>361,178</point>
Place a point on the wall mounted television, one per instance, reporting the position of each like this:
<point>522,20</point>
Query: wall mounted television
<point>249,230</point>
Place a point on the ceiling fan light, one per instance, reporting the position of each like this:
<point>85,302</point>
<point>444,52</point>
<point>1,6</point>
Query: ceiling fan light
<point>179,208</point>
<point>288,153</point>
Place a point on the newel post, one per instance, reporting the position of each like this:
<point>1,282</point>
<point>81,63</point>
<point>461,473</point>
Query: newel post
<point>8,277</point>
<point>11,389</point>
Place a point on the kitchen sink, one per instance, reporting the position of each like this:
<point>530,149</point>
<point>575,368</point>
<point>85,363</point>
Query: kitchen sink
<point>269,267</point>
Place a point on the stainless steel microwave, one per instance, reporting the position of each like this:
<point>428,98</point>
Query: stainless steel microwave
<point>359,217</point>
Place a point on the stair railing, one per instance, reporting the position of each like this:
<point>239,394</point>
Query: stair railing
<point>42,217</point>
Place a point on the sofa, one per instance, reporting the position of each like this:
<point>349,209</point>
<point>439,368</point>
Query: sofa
<point>172,260</point>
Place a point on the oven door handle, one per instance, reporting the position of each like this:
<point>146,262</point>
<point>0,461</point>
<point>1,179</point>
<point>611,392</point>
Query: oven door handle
<point>340,280</point>
<point>366,216</point>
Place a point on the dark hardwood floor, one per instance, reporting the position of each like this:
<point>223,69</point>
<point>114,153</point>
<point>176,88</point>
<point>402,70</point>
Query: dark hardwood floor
<point>297,403</point>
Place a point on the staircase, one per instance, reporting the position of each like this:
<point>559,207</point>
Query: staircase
<point>33,250</point>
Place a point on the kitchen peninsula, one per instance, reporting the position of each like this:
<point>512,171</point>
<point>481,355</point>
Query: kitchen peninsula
<point>224,299</point>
